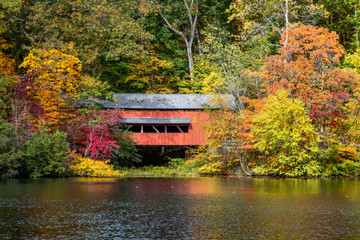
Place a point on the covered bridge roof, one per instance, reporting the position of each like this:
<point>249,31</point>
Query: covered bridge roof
<point>162,101</point>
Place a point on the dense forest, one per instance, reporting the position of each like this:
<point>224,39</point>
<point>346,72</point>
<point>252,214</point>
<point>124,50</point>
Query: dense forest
<point>291,65</point>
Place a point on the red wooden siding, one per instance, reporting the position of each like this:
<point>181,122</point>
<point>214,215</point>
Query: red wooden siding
<point>195,136</point>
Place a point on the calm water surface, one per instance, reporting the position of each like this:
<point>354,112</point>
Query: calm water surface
<point>199,208</point>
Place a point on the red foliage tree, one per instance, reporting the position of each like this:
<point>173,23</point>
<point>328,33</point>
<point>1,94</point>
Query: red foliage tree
<point>24,108</point>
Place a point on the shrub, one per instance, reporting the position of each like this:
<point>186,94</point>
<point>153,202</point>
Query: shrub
<point>127,154</point>
<point>93,168</point>
<point>212,169</point>
<point>45,154</point>
<point>347,153</point>
<point>8,152</point>
<point>344,168</point>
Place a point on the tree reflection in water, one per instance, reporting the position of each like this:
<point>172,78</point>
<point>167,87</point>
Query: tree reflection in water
<point>195,208</point>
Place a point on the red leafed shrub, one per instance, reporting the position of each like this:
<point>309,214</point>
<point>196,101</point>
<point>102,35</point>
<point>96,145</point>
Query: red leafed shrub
<point>100,135</point>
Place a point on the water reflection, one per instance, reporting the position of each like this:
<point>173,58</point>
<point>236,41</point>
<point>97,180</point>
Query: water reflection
<point>199,208</point>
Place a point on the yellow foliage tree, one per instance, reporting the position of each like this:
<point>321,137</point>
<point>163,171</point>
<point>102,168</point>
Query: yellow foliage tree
<point>207,79</point>
<point>57,76</point>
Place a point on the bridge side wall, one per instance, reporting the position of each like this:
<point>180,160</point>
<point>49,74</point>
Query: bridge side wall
<point>195,136</point>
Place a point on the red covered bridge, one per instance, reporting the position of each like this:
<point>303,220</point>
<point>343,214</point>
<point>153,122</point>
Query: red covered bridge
<point>163,119</point>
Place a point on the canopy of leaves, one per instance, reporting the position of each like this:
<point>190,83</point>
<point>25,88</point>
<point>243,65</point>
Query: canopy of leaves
<point>306,67</point>
<point>56,79</point>
<point>257,19</point>
<point>286,136</point>
<point>8,8</point>
<point>45,155</point>
<point>155,76</point>
<point>7,64</point>
<point>97,28</point>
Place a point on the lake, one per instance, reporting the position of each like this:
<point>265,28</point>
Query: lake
<point>180,208</point>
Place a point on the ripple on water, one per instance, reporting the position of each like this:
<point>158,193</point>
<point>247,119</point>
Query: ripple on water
<point>203,208</point>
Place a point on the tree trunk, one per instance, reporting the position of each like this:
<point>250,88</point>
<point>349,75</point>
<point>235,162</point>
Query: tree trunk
<point>286,12</point>
<point>191,60</point>
<point>356,25</point>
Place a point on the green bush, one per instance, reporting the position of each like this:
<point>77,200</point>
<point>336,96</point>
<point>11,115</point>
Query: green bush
<point>45,154</point>
<point>9,155</point>
<point>127,153</point>
<point>344,168</point>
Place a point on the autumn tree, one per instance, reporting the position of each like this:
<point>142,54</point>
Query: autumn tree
<point>286,136</point>
<point>57,76</point>
<point>154,76</point>
<point>25,110</point>
<point>224,132</point>
<point>307,68</point>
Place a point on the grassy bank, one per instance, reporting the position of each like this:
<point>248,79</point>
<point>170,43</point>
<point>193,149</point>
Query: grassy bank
<point>176,167</point>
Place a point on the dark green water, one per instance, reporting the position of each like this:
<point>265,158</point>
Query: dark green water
<point>200,208</point>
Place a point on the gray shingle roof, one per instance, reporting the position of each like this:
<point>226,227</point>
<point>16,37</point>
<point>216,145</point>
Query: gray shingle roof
<point>160,101</point>
<point>150,120</point>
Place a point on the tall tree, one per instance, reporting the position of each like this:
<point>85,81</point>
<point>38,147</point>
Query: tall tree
<point>192,11</point>
<point>269,19</point>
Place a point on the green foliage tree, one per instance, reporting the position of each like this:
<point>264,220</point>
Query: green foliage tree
<point>115,74</point>
<point>154,76</point>
<point>287,137</point>
<point>343,17</point>
<point>192,13</point>
<point>221,50</point>
<point>45,154</point>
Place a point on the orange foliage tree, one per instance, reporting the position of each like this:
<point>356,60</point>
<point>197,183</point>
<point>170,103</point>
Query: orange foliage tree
<point>57,76</point>
<point>307,68</point>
